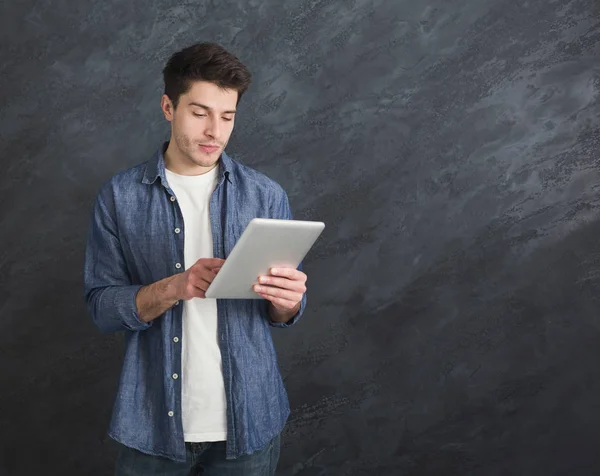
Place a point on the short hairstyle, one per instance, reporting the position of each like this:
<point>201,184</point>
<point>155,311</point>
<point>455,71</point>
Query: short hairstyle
<point>204,62</point>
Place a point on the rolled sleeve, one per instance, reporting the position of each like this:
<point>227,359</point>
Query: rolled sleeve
<point>109,294</point>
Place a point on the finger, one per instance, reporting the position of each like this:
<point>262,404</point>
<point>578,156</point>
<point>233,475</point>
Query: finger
<point>278,292</point>
<point>205,274</point>
<point>195,292</point>
<point>199,282</point>
<point>290,273</point>
<point>284,283</point>
<point>280,302</point>
<point>198,293</point>
<point>210,262</point>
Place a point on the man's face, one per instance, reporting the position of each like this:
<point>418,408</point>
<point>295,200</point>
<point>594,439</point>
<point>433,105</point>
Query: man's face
<point>202,123</point>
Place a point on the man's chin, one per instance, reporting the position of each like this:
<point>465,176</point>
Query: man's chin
<point>206,160</point>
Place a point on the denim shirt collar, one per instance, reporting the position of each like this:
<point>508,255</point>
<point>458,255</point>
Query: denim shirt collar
<point>155,167</point>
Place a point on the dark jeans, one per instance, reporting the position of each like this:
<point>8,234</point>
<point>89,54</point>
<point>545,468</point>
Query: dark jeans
<point>201,459</point>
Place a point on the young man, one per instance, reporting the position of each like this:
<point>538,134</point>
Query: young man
<point>200,389</point>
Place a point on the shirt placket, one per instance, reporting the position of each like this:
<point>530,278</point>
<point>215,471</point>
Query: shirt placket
<point>176,230</point>
<point>218,201</point>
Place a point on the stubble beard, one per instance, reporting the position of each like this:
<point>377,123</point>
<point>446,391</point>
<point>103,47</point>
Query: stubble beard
<point>191,151</point>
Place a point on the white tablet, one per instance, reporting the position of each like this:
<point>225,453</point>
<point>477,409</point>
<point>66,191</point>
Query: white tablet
<point>265,243</point>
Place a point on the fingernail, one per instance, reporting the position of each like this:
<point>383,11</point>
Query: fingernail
<point>274,271</point>
<point>262,279</point>
<point>257,288</point>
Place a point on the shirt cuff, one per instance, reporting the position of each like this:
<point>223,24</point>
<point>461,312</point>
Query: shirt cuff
<point>126,307</point>
<point>294,319</point>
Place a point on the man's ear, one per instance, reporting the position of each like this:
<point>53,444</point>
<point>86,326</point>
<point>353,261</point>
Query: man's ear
<point>167,107</point>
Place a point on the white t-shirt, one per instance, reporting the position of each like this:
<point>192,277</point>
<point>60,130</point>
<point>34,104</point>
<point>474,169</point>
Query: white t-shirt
<point>203,392</point>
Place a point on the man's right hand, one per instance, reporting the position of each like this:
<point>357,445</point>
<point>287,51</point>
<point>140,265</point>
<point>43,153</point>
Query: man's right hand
<point>195,280</point>
<point>154,299</point>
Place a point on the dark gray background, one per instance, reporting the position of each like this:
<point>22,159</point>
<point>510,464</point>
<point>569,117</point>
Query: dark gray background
<point>451,147</point>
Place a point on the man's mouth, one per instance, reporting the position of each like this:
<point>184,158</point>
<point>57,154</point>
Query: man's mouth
<point>209,148</point>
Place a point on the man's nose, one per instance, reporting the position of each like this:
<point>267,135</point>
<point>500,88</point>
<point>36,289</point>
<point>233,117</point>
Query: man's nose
<point>212,128</point>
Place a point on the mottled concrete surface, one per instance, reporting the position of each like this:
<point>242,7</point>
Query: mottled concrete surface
<point>452,149</point>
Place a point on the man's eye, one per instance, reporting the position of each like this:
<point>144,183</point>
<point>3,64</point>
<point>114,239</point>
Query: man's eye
<point>228,119</point>
<point>199,115</point>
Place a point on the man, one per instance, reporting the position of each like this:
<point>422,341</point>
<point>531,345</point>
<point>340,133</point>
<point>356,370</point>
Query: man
<point>200,389</point>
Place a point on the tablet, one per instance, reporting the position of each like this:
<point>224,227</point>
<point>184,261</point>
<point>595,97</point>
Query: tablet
<point>265,243</point>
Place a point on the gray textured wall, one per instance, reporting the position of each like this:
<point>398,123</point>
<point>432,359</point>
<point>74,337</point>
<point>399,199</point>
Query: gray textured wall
<point>452,149</point>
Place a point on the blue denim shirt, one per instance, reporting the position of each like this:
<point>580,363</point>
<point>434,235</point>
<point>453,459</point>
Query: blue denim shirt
<point>132,243</point>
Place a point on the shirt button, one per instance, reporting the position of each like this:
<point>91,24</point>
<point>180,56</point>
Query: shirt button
<point>175,339</point>
<point>178,265</point>
<point>177,230</point>
<point>170,413</point>
<point>172,198</point>
<point>177,303</point>
<point>175,376</point>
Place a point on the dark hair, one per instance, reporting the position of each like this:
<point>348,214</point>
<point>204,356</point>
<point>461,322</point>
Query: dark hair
<point>204,62</point>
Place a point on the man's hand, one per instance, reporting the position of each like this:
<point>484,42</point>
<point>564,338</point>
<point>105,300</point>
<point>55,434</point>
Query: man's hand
<point>284,288</point>
<point>154,299</point>
<point>195,280</point>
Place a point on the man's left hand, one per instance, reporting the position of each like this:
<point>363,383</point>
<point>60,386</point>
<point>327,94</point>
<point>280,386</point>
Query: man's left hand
<point>284,287</point>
